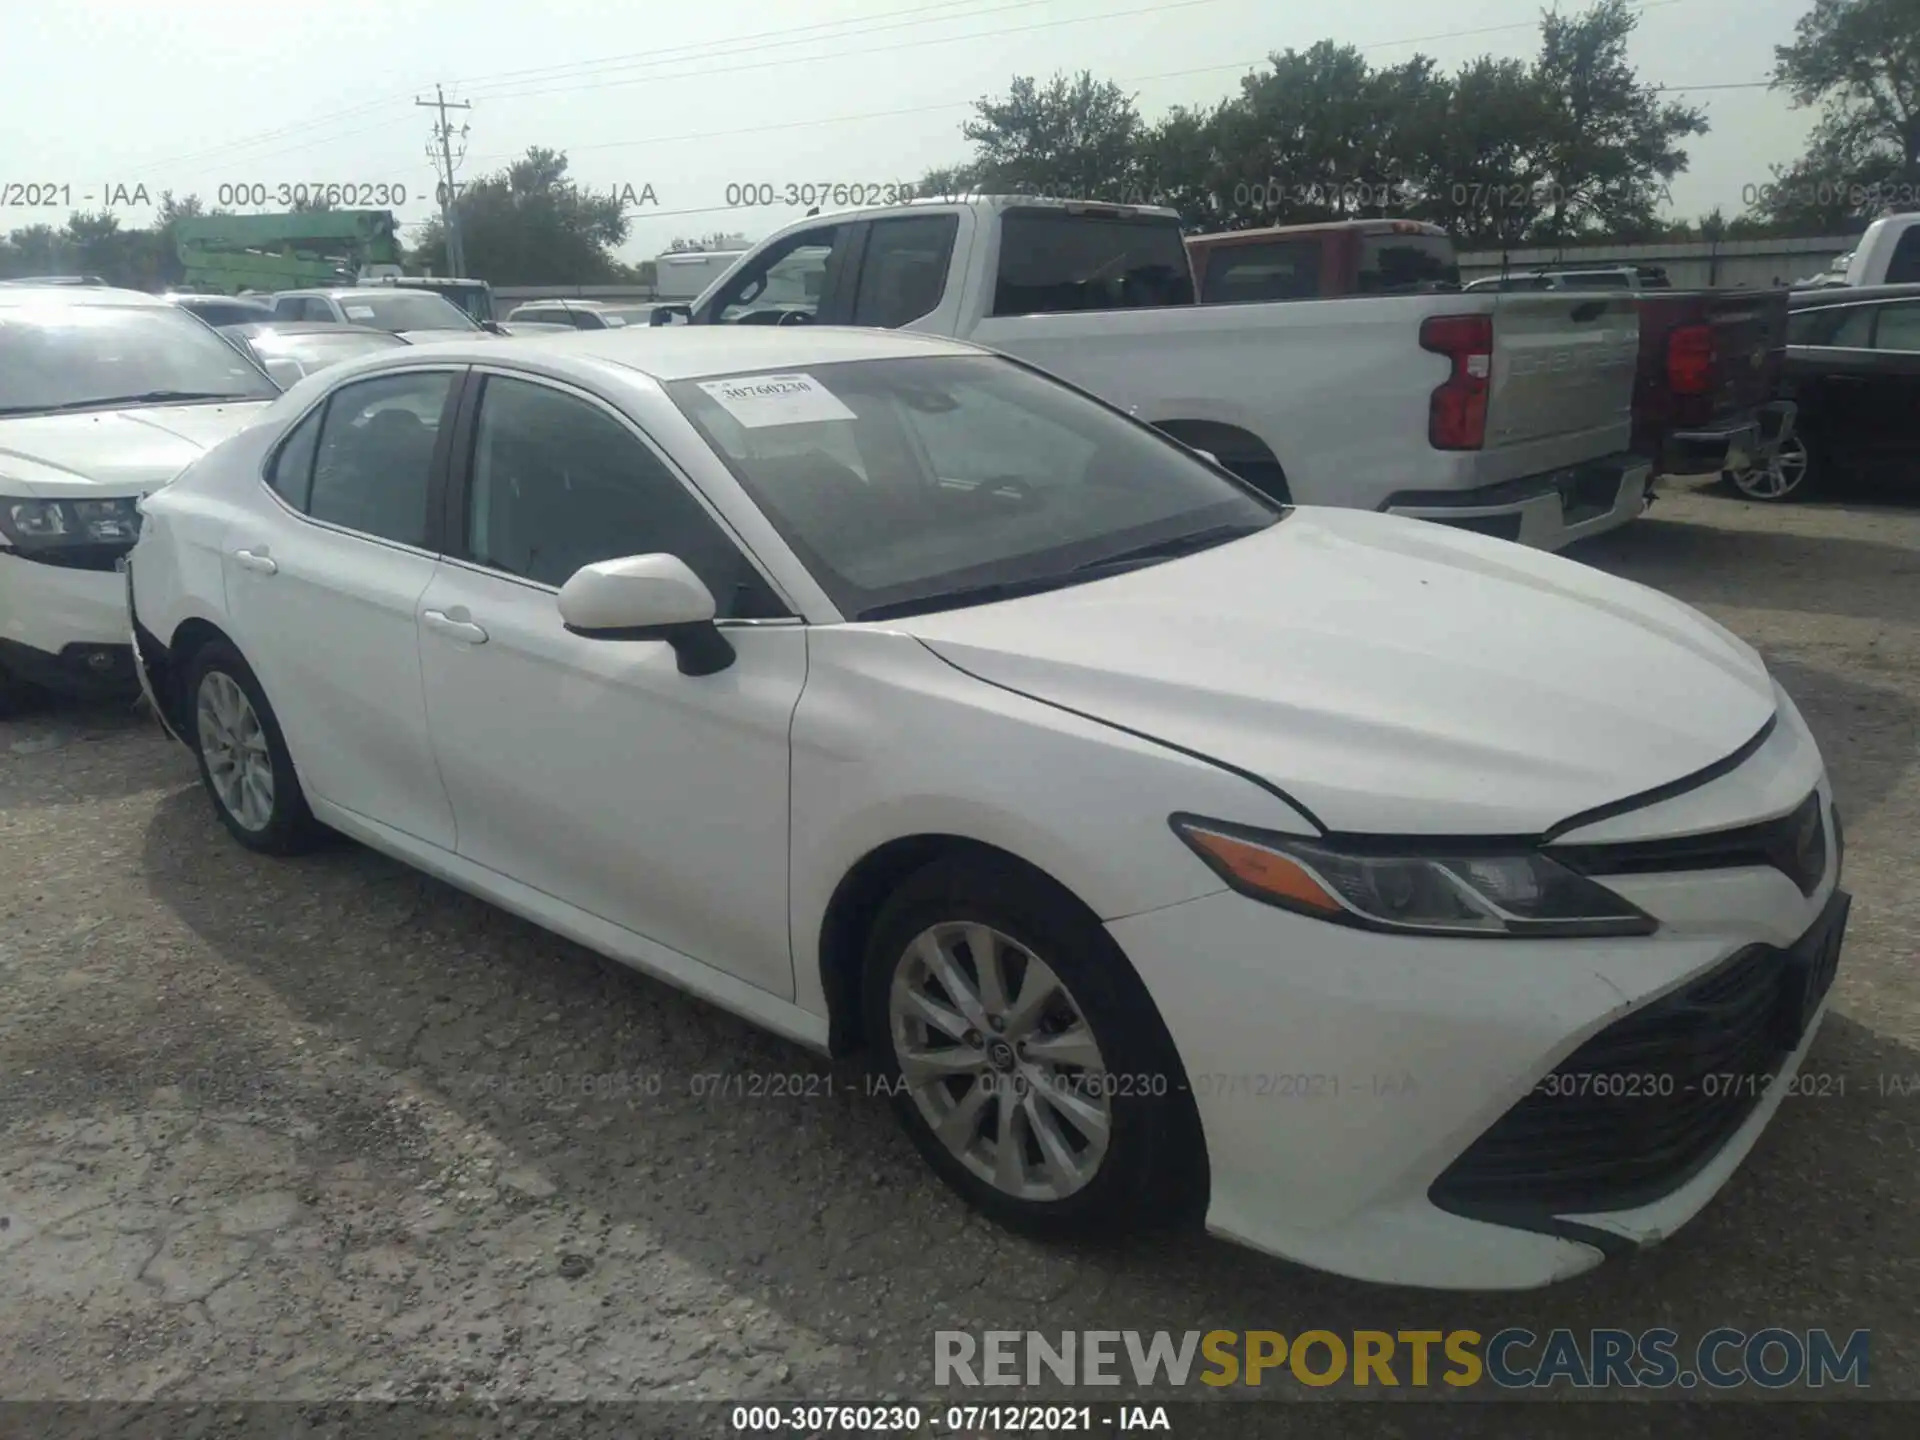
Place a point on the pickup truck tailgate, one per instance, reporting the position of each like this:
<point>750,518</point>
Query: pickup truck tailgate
<point>1562,392</point>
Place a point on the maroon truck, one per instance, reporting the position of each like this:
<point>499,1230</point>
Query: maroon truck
<point>1703,400</point>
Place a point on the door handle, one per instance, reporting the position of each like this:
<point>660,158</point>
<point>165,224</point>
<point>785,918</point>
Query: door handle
<point>257,560</point>
<point>453,627</point>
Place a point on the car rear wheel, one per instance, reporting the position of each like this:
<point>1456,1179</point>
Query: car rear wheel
<point>1787,475</point>
<point>244,762</point>
<point>1025,1058</point>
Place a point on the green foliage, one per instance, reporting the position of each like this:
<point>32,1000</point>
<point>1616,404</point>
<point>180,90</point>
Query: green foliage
<point>529,224</point>
<point>1859,62</point>
<point>1569,145</point>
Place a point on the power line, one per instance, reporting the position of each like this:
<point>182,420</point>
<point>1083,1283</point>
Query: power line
<point>683,52</point>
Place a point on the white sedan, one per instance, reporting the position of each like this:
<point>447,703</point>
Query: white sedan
<point>1408,903</point>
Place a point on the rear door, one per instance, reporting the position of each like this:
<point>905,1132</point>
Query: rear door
<point>1562,383</point>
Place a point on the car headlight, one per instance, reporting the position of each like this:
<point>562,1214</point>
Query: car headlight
<point>43,524</point>
<point>1493,893</point>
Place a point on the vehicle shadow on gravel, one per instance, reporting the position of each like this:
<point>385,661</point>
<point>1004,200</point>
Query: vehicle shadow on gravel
<point>1714,564</point>
<point>803,1195</point>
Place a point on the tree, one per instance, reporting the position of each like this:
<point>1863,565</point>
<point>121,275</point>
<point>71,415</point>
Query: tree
<point>529,224</point>
<point>718,240</point>
<point>1074,139</point>
<point>1611,142</point>
<point>1859,60</point>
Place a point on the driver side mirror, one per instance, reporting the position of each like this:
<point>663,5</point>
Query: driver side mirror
<point>493,327</point>
<point>664,315</point>
<point>647,597</point>
<point>284,370</point>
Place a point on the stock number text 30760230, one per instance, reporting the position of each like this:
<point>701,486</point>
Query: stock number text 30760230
<point>259,194</point>
<point>841,194</point>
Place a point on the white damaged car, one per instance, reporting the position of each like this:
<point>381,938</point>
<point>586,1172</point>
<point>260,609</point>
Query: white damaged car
<point>1412,904</point>
<point>104,396</point>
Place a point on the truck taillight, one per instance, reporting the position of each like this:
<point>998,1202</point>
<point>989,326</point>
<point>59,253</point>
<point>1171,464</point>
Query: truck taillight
<point>1691,360</point>
<point>1457,414</point>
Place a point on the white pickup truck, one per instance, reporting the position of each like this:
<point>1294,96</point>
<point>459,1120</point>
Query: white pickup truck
<point>1888,254</point>
<point>1508,414</point>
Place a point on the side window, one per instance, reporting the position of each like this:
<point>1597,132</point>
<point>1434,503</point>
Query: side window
<point>1899,327</point>
<point>904,272</point>
<point>291,472</point>
<point>1903,267</point>
<point>289,307</point>
<point>783,282</point>
<point>1279,270</point>
<point>558,483</point>
<point>319,309</point>
<point>1856,331</point>
<point>375,458</point>
<point>585,320</point>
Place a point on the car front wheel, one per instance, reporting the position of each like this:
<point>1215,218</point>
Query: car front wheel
<point>244,762</point>
<point>1025,1058</point>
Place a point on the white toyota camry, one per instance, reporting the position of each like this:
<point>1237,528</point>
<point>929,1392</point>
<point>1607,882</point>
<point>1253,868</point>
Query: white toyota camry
<point>1410,904</point>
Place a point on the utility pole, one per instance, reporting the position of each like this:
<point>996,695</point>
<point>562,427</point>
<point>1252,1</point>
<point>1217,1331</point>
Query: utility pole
<point>440,152</point>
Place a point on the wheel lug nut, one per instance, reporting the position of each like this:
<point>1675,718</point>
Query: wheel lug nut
<point>997,1023</point>
<point>974,1038</point>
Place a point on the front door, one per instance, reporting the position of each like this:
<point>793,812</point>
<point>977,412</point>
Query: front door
<point>593,770</point>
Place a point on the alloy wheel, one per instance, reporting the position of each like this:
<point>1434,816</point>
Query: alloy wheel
<point>235,746</point>
<point>1780,476</point>
<point>1000,1060</point>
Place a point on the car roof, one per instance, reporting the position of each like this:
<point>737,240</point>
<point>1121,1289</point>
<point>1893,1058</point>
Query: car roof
<point>192,297</point>
<point>78,295</point>
<point>682,352</point>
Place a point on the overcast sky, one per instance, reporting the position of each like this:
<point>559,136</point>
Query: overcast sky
<point>687,97</point>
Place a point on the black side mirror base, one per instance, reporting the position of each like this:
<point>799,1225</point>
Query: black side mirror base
<point>698,645</point>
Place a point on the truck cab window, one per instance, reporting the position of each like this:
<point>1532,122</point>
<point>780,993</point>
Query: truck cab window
<point>782,286</point>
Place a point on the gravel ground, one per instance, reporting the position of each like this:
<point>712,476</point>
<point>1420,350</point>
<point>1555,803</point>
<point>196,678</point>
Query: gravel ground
<point>327,1129</point>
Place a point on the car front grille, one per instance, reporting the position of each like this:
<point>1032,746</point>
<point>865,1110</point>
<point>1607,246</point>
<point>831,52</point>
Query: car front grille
<point>1638,1109</point>
<point>1794,844</point>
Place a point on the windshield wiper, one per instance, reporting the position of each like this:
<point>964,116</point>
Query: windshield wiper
<point>148,397</point>
<point>1174,546</point>
<point>970,595</point>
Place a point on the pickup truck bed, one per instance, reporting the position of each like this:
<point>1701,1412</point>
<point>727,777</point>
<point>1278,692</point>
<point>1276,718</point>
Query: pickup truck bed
<point>1506,414</point>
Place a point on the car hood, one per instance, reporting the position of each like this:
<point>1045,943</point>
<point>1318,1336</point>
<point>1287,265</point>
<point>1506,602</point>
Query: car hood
<point>114,452</point>
<point>1392,676</point>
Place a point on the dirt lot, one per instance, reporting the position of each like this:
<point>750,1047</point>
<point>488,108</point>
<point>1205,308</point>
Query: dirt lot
<point>327,1129</point>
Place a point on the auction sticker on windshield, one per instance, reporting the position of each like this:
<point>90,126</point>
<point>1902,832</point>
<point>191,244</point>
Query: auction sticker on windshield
<point>359,312</point>
<point>762,400</point>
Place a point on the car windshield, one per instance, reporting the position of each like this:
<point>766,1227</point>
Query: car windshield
<point>72,357</point>
<point>922,484</point>
<point>403,310</point>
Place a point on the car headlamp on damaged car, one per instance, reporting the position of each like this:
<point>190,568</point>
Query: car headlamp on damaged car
<point>1491,893</point>
<point>45,524</point>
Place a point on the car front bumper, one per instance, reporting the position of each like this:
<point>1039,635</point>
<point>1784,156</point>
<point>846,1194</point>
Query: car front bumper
<point>1347,1081</point>
<point>1547,511</point>
<point>64,628</point>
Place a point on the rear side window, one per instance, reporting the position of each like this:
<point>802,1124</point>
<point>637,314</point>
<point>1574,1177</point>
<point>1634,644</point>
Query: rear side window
<point>904,273</point>
<point>375,459</point>
<point>1899,327</point>
<point>1846,327</point>
<point>1276,270</point>
<point>291,471</point>
<point>1053,262</point>
<point>1904,267</point>
<point>1391,264</point>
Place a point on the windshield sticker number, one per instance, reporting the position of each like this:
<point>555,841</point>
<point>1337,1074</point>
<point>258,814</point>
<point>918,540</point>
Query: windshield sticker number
<point>763,400</point>
<point>359,312</point>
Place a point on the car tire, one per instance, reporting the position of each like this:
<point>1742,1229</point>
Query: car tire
<point>1791,473</point>
<point>1103,1149</point>
<point>244,763</point>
